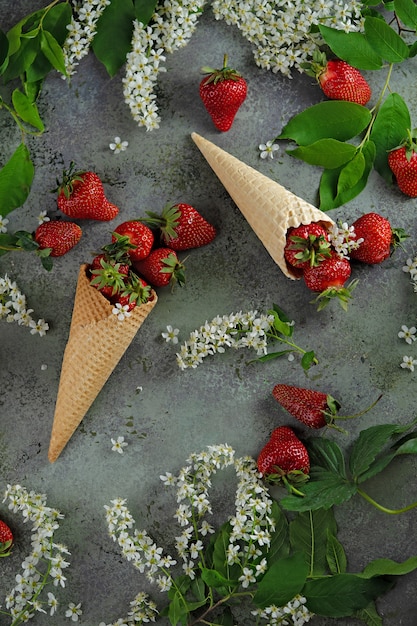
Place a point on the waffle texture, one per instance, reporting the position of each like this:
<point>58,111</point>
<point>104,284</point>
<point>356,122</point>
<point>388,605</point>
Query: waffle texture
<point>97,341</point>
<point>269,207</point>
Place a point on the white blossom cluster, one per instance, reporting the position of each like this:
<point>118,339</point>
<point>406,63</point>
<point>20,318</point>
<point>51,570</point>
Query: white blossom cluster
<point>409,335</point>
<point>170,28</point>
<point>237,330</point>
<point>343,239</point>
<point>44,565</point>
<point>281,31</point>
<point>294,613</point>
<point>251,524</point>
<point>13,307</point>
<point>81,31</point>
<point>142,611</point>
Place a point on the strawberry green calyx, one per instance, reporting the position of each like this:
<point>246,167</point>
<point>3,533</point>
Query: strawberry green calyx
<point>219,75</point>
<point>167,221</point>
<point>69,177</point>
<point>317,66</point>
<point>343,294</point>
<point>313,249</point>
<point>108,276</point>
<point>118,250</point>
<point>137,291</point>
<point>174,267</point>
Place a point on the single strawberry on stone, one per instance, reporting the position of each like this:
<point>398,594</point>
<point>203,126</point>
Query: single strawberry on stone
<point>223,92</point>
<point>59,237</point>
<point>306,245</point>
<point>379,238</point>
<point>402,161</point>
<point>181,227</point>
<point>338,80</point>
<point>139,236</point>
<point>284,458</point>
<point>81,196</point>
<point>161,268</point>
<point>329,278</point>
<point>6,539</point>
<point>315,409</point>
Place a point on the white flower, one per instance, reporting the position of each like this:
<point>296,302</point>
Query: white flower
<point>118,145</point>
<point>73,611</point>
<point>408,363</point>
<point>3,224</point>
<point>408,334</point>
<point>121,311</point>
<point>171,334</point>
<point>42,217</point>
<point>267,149</point>
<point>119,444</point>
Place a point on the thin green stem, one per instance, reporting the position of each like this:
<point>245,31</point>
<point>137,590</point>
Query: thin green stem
<point>384,509</point>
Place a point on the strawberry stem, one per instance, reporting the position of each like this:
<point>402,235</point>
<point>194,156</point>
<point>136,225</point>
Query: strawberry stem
<point>384,509</point>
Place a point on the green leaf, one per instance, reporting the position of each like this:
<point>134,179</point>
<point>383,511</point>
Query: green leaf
<point>271,356</point>
<point>4,51</point>
<point>342,595</point>
<point>177,611</point>
<point>329,153</point>
<point>370,443</point>
<point>56,20</point>
<point>388,131</point>
<point>16,178</point>
<point>323,490</point>
<point>308,532</point>
<point>384,40</point>
<point>336,119</point>
<point>22,59</point>
<point>351,174</point>
<point>116,25</point>
<point>53,51</point>
<point>369,615</point>
<point>27,110</point>
<point>213,578</point>
<point>330,197</point>
<point>279,546</point>
<point>282,581</point>
<point>307,360</point>
<point>387,567</point>
<point>326,454</point>
<point>335,555</point>
<point>354,48</point>
<point>144,9</point>
<point>407,444</point>
<point>406,11</point>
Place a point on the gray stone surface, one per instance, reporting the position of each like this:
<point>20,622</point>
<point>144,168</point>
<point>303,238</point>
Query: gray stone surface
<point>166,414</point>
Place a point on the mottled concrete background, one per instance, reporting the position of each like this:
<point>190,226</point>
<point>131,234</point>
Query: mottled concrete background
<point>163,413</point>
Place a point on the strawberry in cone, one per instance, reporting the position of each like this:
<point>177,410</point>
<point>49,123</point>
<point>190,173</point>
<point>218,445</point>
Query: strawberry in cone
<point>270,208</point>
<point>97,340</point>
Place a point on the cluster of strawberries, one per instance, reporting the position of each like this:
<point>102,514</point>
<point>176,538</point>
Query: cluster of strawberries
<point>284,457</point>
<point>142,253</point>
<point>311,254</point>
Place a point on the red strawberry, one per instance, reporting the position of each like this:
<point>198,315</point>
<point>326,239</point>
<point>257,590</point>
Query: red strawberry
<point>306,245</point>
<point>313,408</point>
<point>6,539</point>
<point>377,236</point>
<point>135,292</point>
<point>161,268</point>
<point>60,237</point>
<point>403,164</point>
<point>81,196</point>
<point>223,91</point>
<point>108,277</point>
<point>329,278</point>
<point>284,457</point>
<point>182,227</point>
<point>139,236</point>
<point>338,79</point>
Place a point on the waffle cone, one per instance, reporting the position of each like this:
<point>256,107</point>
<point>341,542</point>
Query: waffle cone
<point>269,207</point>
<point>97,341</point>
